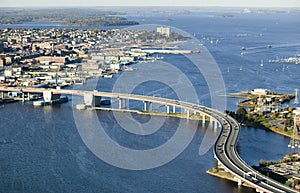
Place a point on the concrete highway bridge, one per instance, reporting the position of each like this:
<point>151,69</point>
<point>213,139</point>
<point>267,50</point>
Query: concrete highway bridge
<point>224,149</point>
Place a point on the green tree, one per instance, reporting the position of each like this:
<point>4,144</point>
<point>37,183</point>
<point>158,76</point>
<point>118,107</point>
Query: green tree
<point>262,162</point>
<point>241,112</point>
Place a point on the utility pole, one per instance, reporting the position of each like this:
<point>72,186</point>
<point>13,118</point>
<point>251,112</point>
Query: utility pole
<point>293,142</point>
<point>296,102</point>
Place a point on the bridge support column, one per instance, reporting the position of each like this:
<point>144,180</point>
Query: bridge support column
<point>89,99</point>
<point>187,114</point>
<point>125,103</point>
<point>174,109</point>
<point>28,96</point>
<point>2,95</point>
<point>216,124</point>
<point>49,96</point>
<point>145,105</point>
<point>211,123</point>
<point>23,96</point>
<point>240,182</point>
<point>150,106</point>
<point>168,109</point>
<point>203,119</point>
<point>120,103</point>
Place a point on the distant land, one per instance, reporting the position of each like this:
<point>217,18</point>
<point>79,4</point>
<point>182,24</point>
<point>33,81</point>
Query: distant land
<point>67,16</point>
<point>114,16</point>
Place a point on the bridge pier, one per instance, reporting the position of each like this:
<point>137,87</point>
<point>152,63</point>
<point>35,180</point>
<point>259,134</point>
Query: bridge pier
<point>211,122</point>
<point>240,182</point>
<point>150,106</point>
<point>187,114</point>
<point>203,119</point>
<point>174,109</point>
<point>28,97</point>
<point>145,105</point>
<point>23,96</point>
<point>120,103</point>
<point>89,99</point>
<point>216,124</point>
<point>168,109</point>
<point>2,95</point>
<point>49,96</point>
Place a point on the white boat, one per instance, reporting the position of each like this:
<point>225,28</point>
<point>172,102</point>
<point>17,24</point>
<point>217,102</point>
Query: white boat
<point>38,103</point>
<point>129,69</point>
<point>262,63</point>
<point>107,75</point>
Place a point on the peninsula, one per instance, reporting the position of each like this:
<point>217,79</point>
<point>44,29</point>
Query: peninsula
<point>64,16</point>
<point>265,109</point>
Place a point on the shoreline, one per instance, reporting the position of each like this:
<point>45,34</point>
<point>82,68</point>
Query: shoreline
<point>269,127</point>
<point>260,123</point>
<point>220,173</point>
<point>281,132</point>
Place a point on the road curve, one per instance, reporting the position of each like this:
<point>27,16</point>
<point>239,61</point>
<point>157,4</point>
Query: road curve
<point>226,154</point>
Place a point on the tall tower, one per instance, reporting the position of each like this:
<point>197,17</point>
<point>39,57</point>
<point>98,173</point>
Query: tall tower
<point>296,102</point>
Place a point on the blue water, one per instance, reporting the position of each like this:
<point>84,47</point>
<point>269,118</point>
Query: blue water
<point>44,152</point>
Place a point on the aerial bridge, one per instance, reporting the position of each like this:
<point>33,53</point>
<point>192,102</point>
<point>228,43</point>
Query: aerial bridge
<point>225,146</point>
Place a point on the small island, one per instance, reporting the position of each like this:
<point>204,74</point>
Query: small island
<point>224,15</point>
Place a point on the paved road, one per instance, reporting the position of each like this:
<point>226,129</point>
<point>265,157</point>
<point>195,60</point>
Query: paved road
<point>225,152</point>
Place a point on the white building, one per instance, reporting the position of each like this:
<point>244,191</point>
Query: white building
<point>164,31</point>
<point>8,73</point>
<point>114,66</point>
<point>297,114</point>
<point>259,91</point>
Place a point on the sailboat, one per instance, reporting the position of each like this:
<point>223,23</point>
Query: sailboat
<point>261,63</point>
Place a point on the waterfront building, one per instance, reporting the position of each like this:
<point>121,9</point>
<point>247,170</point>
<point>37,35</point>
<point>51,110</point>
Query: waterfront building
<point>166,31</point>
<point>114,67</point>
<point>259,91</point>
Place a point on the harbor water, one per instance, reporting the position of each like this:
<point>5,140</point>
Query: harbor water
<point>41,149</point>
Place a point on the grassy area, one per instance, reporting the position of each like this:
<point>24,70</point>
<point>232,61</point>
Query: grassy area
<point>265,123</point>
<point>260,122</point>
